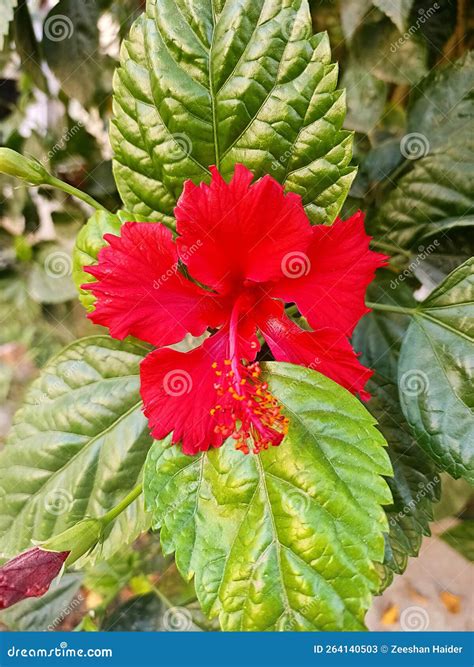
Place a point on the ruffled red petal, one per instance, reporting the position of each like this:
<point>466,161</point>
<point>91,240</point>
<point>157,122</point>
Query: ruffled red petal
<point>329,282</point>
<point>179,390</point>
<point>231,232</point>
<point>141,292</point>
<point>326,351</point>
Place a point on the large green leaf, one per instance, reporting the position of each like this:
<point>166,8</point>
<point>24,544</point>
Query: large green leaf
<point>415,484</point>
<point>206,82</point>
<point>436,373</point>
<point>77,447</point>
<point>286,540</point>
<point>443,104</point>
<point>7,8</point>
<point>71,47</point>
<point>440,187</point>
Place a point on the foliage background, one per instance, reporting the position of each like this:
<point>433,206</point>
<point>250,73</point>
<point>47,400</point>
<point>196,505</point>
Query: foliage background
<point>413,147</point>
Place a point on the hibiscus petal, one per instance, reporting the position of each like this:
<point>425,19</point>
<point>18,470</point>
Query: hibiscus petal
<point>234,231</point>
<point>179,390</point>
<point>329,283</point>
<point>326,351</point>
<point>141,292</point>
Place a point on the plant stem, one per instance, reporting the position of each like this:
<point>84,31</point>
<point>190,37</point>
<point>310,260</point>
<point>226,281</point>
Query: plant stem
<point>389,308</point>
<point>71,190</point>
<point>118,509</point>
<point>390,247</point>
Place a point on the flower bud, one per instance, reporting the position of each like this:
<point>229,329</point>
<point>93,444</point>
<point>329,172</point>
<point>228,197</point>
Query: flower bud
<point>29,575</point>
<point>77,540</point>
<point>28,169</point>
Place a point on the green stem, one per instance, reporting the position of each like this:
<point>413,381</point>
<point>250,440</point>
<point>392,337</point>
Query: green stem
<point>118,509</point>
<point>71,190</point>
<point>389,308</point>
<point>390,247</point>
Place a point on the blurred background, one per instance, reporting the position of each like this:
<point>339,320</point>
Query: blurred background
<point>56,65</point>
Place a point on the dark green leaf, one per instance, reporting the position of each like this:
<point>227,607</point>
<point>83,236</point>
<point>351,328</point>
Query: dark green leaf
<point>77,447</point>
<point>435,374</point>
<point>48,611</point>
<point>71,47</point>
<point>366,97</point>
<point>415,483</point>
<point>439,187</point>
<point>285,540</point>
<point>27,46</point>
<point>443,104</point>
<point>385,53</point>
<point>352,15</point>
<point>461,538</point>
<point>207,82</point>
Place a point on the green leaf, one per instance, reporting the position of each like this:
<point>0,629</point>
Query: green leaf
<point>76,448</point>
<point>415,484</point>
<point>285,540</point>
<point>6,14</point>
<point>435,374</point>
<point>89,241</point>
<point>47,612</point>
<point>439,187</point>
<point>27,46</point>
<point>443,104</point>
<point>384,52</point>
<point>49,280</point>
<point>71,47</point>
<point>461,538</point>
<point>397,10</point>
<point>366,97</point>
<point>207,82</point>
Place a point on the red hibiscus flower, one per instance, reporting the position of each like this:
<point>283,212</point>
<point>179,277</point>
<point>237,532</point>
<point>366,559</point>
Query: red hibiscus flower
<point>243,250</point>
<point>29,575</point>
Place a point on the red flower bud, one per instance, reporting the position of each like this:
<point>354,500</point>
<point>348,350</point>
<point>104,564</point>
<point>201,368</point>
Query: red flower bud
<point>29,575</point>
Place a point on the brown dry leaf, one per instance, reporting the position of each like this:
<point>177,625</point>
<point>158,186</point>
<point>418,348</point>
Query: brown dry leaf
<point>390,615</point>
<point>451,602</point>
